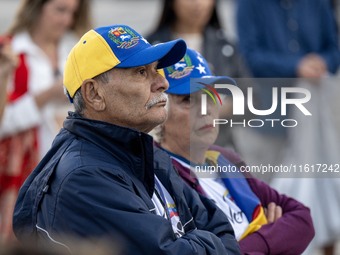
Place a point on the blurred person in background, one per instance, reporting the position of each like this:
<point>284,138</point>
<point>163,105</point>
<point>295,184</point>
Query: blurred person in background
<point>3,94</point>
<point>299,40</point>
<point>198,23</point>
<point>41,36</point>
<point>8,62</point>
<point>260,216</point>
<point>283,39</point>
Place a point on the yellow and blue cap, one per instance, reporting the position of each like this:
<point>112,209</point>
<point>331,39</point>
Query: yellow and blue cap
<point>120,46</point>
<point>191,73</point>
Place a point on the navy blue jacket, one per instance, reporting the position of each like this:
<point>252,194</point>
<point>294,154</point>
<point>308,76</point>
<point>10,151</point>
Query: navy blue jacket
<point>97,181</point>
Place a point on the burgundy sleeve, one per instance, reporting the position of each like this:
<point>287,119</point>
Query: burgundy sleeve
<point>290,234</point>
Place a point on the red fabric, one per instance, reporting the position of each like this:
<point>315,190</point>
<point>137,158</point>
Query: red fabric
<point>20,79</point>
<point>18,157</point>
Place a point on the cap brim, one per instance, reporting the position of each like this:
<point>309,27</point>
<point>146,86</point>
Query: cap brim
<point>166,54</point>
<point>197,84</point>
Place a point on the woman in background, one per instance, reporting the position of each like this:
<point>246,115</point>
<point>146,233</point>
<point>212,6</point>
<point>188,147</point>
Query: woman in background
<point>198,23</point>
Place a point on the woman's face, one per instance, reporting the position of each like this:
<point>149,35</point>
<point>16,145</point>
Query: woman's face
<point>194,13</point>
<point>57,17</point>
<point>186,127</point>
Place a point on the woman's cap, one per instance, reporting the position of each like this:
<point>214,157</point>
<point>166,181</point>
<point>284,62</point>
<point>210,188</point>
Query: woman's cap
<point>195,68</point>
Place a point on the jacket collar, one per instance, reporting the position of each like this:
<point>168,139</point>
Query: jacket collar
<point>132,148</point>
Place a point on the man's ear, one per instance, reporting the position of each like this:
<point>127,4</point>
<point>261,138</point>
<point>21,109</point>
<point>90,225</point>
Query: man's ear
<point>93,95</point>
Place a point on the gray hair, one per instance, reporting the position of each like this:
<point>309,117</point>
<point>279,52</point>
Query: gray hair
<point>103,77</point>
<point>78,100</point>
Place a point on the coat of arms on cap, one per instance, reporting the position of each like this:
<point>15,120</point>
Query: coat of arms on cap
<point>123,37</point>
<point>181,69</point>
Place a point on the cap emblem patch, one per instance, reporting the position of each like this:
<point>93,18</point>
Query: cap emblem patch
<point>123,37</point>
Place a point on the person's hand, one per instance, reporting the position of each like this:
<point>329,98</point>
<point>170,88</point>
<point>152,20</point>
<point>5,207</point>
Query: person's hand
<point>8,60</point>
<point>273,212</point>
<point>53,94</point>
<point>312,66</point>
<point>57,92</point>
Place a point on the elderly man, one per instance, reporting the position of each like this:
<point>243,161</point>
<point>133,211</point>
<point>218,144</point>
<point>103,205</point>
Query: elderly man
<point>102,177</point>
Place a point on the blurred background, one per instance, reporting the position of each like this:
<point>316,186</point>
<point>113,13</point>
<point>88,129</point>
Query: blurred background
<point>142,15</point>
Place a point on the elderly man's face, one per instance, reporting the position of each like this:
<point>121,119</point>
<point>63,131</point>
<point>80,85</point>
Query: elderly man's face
<point>186,127</point>
<point>135,97</point>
